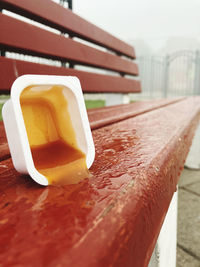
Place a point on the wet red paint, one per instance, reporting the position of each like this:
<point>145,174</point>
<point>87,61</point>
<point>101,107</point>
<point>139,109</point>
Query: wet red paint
<point>107,115</point>
<point>103,116</point>
<point>47,12</point>
<point>4,150</point>
<point>111,219</point>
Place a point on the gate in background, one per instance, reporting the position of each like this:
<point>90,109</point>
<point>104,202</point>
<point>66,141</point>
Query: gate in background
<point>177,74</point>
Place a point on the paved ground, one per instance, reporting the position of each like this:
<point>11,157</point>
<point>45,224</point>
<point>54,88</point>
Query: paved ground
<point>188,250</point>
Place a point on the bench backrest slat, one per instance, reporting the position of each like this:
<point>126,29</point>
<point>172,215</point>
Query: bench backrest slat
<point>51,14</point>
<point>91,82</point>
<point>19,36</point>
<point>26,38</point>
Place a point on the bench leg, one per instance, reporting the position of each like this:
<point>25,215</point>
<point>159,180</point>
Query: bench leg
<point>193,158</point>
<point>164,254</point>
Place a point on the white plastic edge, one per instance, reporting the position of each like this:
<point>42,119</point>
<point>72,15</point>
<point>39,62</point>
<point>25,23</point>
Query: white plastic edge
<point>12,117</point>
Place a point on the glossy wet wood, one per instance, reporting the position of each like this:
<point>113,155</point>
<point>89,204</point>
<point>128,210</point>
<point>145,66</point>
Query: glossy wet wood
<point>103,116</point>
<point>4,150</point>
<point>111,219</point>
<point>43,43</point>
<point>52,14</point>
<point>108,115</point>
<point>90,82</point>
<point>53,44</point>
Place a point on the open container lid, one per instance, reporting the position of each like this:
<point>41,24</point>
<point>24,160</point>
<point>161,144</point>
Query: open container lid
<point>15,127</point>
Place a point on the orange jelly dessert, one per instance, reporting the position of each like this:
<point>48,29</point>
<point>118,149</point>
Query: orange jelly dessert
<point>51,134</point>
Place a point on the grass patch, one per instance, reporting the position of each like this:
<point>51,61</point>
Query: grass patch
<point>1,105</point>
<point>4,97</point>
<point>94,103</point>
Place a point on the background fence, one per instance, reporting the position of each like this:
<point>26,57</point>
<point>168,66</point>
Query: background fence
<point>176,74</point>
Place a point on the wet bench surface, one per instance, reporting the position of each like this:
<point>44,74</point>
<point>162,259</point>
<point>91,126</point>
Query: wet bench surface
<point>112,218</point>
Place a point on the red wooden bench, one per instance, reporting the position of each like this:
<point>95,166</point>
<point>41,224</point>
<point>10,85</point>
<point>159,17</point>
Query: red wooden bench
<point>114,217</point>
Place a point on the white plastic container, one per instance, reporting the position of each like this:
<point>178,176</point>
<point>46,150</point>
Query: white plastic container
<point>16,130</point>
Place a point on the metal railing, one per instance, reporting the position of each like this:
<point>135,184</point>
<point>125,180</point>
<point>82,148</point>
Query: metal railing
<point>176,74</point>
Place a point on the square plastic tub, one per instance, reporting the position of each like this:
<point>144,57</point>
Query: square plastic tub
<point>15,125</point>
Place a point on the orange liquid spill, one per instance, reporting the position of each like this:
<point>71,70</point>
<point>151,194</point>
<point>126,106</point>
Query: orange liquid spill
<point>51,135</point>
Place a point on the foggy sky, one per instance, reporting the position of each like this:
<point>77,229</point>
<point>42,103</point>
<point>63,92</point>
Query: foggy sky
<point>151,20</point>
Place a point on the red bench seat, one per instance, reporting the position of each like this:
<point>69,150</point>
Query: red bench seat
<point>114,217</point>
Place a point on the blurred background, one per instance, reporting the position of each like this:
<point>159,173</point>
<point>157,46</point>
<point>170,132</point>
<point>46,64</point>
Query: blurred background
<point>166,37</point>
